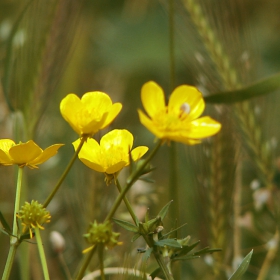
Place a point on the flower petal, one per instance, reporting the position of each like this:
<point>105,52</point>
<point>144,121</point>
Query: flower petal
<point>191,96</point>
<point>5,145</point>
<point>121,138</point>
<point>24,153</point>
<point>150,125</point>
<point>116,167</point>
<point>93,165</point>
<point>138,152</point>
<point>69,106</point>
<point>115,109</point>
<point>152,97</point>
<point>47,153</point>
<point>202,128</point>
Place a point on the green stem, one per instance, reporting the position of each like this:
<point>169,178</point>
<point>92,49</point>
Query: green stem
<point>129,182</point>
<point>85,264</point>
<point>63,176</point>
<point>128,205</point>
<point>14,238</point>
<point>42,254</point>
<point>101,261</point>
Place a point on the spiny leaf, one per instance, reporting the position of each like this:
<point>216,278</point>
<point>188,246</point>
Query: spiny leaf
<point>168,242</point>
<point>242,267</point>
<point>164,210</point>
<point>259,88</point>
<point>126,225</point>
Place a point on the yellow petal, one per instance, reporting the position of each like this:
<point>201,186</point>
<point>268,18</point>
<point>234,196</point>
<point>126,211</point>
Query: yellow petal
<point>95,166</point>
<point>90,154</point>
<point>138,152</point>
<point>97,99</point>
<point>115,109</point>
<point>117,138</point>
<point>69,106</point>
<point>47,153</point>
<point>202,128</point>
<point>116,167</point>
<point>25,152</point>
<point>5,145</point>
<point>189,95</point>
<point>152,97</point>
<point>150,125</point>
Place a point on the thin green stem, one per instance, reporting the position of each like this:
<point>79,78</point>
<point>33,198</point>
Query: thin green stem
<point>14,238</point>
<point>63,176</point>
<point>101,260</point>
<point>42,253</point>
<point>128,205</point>
<point>85,264</point>
<point>131,179</point>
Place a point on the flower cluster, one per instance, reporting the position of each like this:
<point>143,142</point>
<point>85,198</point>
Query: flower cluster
<point>101,234</point>
<point>33,215</point>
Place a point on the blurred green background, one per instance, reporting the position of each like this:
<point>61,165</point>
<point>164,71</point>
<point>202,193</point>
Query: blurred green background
<point>51,48</point>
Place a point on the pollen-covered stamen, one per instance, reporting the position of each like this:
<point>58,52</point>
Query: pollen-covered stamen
<point>185,110</point>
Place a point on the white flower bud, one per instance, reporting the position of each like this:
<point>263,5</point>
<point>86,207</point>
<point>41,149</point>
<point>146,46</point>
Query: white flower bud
<point>57,241</point>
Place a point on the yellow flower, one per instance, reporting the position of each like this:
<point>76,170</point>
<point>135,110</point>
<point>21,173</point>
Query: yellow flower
<point>112,154</point>
<point>25,154</point>
<point>94,111</point>
<point>178,121</point>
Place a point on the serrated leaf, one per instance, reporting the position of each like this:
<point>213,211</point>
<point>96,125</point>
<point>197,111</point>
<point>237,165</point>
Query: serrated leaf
<point>259,88</point>
<point>147,254</point>
<point>126,225</point>
<point>5,224</point>
<point>164,210</point>
<point>242,267</point>
<point>168,242</point>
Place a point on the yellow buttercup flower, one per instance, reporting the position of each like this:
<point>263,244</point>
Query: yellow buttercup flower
<point>112,154</point>
<point>94,111</point>
<point>178,121</point>
<point>25,154</point>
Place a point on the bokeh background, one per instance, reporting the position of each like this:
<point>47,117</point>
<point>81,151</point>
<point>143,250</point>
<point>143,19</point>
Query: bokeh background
<point>51,48</point>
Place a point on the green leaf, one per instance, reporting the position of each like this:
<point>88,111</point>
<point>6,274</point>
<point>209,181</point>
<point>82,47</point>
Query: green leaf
<point>5,224</point>
<point>206,250</point>
<point>242,267</point>
<point>184,251</point>
<point>259,88</point>
<point>147,254</point>
<point>186,258</point>
<point>168,242</point>
<point>164,210</point>
<point>126,225</point>
<point>135,237</point>
<point>155,273</point>
<point>167,234</point>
